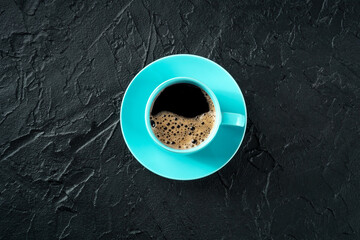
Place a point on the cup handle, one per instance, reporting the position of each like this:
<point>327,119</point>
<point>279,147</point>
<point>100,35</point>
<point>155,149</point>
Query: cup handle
<point>234,119</point>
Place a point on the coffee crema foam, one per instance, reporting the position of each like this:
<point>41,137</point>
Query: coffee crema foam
<point>179,132</point>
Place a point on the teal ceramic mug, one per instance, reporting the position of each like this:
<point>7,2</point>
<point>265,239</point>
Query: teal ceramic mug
<point>220,146</point>
<point>222,118</point>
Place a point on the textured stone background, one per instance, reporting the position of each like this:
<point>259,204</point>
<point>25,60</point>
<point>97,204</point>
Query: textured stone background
<point>66,173</point>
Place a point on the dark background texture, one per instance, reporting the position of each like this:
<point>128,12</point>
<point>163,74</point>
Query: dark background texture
<point>66,173</point>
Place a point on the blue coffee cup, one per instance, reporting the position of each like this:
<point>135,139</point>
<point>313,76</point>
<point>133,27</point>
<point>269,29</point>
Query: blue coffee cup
<point>224,118</point>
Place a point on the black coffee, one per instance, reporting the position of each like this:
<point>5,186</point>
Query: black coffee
<point>182,116</point>
<point>186,100</point>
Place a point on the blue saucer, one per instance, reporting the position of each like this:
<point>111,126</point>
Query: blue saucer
<point>159,160</point>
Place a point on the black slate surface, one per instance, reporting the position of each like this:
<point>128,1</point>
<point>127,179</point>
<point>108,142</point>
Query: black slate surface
<point>66,173</point>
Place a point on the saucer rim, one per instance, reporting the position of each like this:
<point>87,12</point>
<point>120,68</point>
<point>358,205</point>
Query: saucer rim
<point>172,153</point>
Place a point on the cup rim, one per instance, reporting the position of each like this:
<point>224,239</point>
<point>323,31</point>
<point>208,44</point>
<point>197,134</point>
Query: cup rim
<point>197,83</point>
